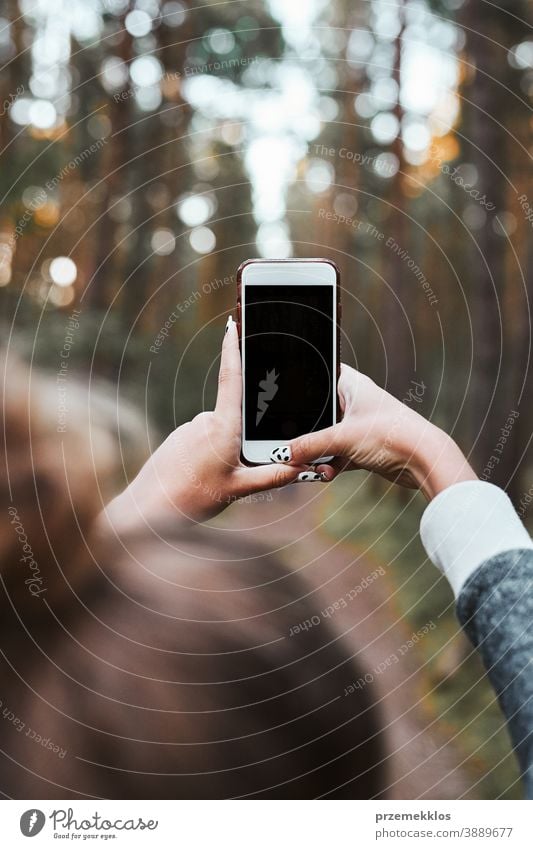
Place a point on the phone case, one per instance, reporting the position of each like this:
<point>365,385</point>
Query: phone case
<point>339,311</point>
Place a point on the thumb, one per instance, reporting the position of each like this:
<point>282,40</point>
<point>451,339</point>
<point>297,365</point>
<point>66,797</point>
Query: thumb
<point>309,448</point>
<point>230,376</point>
<point>261,478</point>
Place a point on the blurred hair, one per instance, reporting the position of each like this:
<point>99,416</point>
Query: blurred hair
<point>157,666</point>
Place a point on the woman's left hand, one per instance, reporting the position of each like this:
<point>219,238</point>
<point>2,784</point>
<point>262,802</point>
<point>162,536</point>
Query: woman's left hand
<point>197,472</point>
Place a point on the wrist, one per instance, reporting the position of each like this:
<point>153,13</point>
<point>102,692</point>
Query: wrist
<point>439,463</point>
<point>136,509</point>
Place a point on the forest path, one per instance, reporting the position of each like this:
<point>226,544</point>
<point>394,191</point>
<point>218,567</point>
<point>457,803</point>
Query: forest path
<point>423,763</point>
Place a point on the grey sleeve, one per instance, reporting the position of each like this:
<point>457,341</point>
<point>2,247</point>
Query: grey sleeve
<point>495,608</point>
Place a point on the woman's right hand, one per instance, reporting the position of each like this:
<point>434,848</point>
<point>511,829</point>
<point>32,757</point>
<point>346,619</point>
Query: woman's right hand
<point>383,435</point>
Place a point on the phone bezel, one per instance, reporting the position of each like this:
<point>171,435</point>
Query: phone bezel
<point>318,272</point>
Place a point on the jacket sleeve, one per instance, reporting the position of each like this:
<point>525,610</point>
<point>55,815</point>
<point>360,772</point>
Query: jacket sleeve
<point>472,534</point>
<point>495,608</point>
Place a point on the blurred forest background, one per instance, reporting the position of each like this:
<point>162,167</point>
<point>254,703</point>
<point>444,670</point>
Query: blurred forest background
<point>148,148</point>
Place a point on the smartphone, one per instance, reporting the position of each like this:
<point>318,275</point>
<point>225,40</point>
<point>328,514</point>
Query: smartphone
<point>288,317</point>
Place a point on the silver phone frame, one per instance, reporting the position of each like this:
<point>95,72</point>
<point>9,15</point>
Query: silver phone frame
<point>274,272</point>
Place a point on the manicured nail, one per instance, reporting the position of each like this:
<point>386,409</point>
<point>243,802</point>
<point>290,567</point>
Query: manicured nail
<point>310,476</point>
<point>281,455</point>
<point>228,323</point>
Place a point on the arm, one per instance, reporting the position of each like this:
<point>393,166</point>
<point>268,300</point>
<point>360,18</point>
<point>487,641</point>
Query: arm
<point>495,608</point>
<point>470,531</point>
<point>473,535</point>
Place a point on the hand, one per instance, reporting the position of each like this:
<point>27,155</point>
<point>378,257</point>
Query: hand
<point>197,471</point>
<point>383,435</point>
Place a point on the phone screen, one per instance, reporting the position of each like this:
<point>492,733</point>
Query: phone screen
<point>289,337</point>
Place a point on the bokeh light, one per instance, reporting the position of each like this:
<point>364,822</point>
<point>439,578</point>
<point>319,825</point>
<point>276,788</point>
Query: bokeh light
<point>194,209</point>
<point>202,240</point>
<point>138,23</point>
<point>163,241</point>
<point>63,271</point>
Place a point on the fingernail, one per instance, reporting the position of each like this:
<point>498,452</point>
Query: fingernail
<point>281,455</point>
<point>310,476</point>
<point>228,323</point>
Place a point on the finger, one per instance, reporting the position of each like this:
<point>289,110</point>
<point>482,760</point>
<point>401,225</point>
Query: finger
<point>331,470</point>
<point>261,478</point>
<point>327,471</point>
<point>312,446</point>
<point>343,387</point>
<point>229,393</point>
<point>349,381</point>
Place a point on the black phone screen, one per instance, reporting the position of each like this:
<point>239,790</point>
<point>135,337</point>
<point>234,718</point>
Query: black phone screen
<point>289,337</point>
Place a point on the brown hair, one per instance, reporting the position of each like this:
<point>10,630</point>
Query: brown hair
<point>160,665</point>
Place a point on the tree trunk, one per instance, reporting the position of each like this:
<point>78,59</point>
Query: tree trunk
<point>488,107</point>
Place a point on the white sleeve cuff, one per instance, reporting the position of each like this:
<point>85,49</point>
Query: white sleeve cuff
<point>467,524</point>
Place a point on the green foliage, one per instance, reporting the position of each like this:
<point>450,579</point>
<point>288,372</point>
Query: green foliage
<point>458,694</point>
